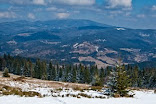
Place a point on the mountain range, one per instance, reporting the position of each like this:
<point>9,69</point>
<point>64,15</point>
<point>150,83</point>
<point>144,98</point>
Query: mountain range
<point>78,41</point>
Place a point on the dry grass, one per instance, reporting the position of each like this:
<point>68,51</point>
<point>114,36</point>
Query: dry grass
<point>84,95</point>
<point>35,83</point>
<point>96,88</point>
<point>7,90</point>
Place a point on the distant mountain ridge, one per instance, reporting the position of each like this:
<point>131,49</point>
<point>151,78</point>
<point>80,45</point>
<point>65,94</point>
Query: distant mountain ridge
<point>75,41</point>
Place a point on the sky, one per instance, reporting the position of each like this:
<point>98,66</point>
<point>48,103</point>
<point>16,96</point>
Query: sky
<point>140,14</point>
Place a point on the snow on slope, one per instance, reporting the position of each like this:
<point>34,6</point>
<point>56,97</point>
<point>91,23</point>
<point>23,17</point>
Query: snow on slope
<point>120,29</point>
<point>141,97</point>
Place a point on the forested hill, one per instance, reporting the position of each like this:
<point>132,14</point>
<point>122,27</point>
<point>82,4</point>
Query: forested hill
<point>145,78</point>
<point>77,41</point>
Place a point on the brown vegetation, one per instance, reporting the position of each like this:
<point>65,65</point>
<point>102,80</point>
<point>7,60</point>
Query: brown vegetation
<point>7,90</point>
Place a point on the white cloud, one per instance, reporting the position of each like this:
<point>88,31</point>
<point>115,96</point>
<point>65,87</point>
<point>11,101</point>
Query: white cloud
<point>51,9</point>
<point>31,16</point>
<point>62,15</point>
<point>55,9</point>
<point>154,7</point>
<point>76,2</point>
<point>39,2</point>
<point>141,16</point>
<point>120,3</point>
<point>7,15</point>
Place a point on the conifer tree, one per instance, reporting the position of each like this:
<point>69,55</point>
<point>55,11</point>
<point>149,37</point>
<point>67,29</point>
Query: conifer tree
<point>96,80</point>
<point>26,69</point>
<point>43,70</point>
<point>135,77</point>
<point>60,74</point>
<point>102,75</point>
<point>2,63</point>
<point>123,81</point>
<point>87,75</point>
<point>57,72</point>
<point>30,67</point>
<point>74,74</point>
<point>37,69</point>
<point>81,74</point>
<point>50,71</point>
<point>53,73</point>
<point>112,82</point>
<point>119,81</point>
<point>18,69</point>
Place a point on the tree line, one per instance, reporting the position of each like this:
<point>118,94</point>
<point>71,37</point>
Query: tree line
<point>128,75</point>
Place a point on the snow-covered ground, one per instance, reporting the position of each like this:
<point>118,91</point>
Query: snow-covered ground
<point>141,97</point>
<point>63,93</point>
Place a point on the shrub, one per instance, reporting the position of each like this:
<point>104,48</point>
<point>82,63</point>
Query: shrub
<point>116,95</point>
<point>59,89</point>
<point>101,97</point>
<point>19,79</point>
<point>6,90</point>
<point>84,95</point>
<point>95,88</point>
<point>6,73</point>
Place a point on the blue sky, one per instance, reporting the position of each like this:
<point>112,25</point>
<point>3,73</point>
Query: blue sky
<point>124,13</point>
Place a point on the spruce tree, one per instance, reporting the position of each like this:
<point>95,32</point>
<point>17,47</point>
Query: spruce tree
<point>123,81</point>
<point>112,82</point>
<point>50,71</point>
<point>37,69</point>
<point>43,70</point>
<point>102,75</point>
<point>135,76</point>
<point>53,73</point>
<point>26,69</point>
<point>18,69</point>
<point>87,75</point>
<point>74,74</point>
<point>119,81</point>
<point>60,74</point>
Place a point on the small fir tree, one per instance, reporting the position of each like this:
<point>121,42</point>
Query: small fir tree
<point>6,73</point>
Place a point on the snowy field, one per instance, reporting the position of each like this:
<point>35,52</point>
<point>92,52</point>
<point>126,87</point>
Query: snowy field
<point>141,97</point>
<point>63,93</point>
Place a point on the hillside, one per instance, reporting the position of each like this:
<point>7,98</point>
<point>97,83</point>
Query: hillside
<point>65,93</point>
<point>75,41</point>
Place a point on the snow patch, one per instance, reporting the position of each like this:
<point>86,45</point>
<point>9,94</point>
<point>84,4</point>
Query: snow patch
<point>120,29</point>
<point>141,97</point>
<point>144,35</point>
<point>75,45</point>
<point>97,48</point>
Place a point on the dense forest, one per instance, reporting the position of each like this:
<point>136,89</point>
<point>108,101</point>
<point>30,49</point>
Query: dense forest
<point>136,77</point>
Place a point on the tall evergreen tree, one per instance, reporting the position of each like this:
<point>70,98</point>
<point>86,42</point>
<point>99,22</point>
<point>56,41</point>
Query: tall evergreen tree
<point>87,75</point>
<point>123,81</point>
<point>74,75</point>
<point>43,71</point>
<point>53,73</point>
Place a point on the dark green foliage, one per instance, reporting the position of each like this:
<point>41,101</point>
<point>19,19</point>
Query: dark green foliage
<point>123,81</point>
<point>145,78</point>
<point>74,75</point>
<point>96,80</point>
<point>119,81</point>
<point>2,63</point>
<point>87,75</point>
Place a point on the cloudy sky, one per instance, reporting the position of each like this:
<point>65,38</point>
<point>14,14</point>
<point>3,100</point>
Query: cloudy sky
<point>124,13</point>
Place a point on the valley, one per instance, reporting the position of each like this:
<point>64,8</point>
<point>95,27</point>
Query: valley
<point>78,41</point>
